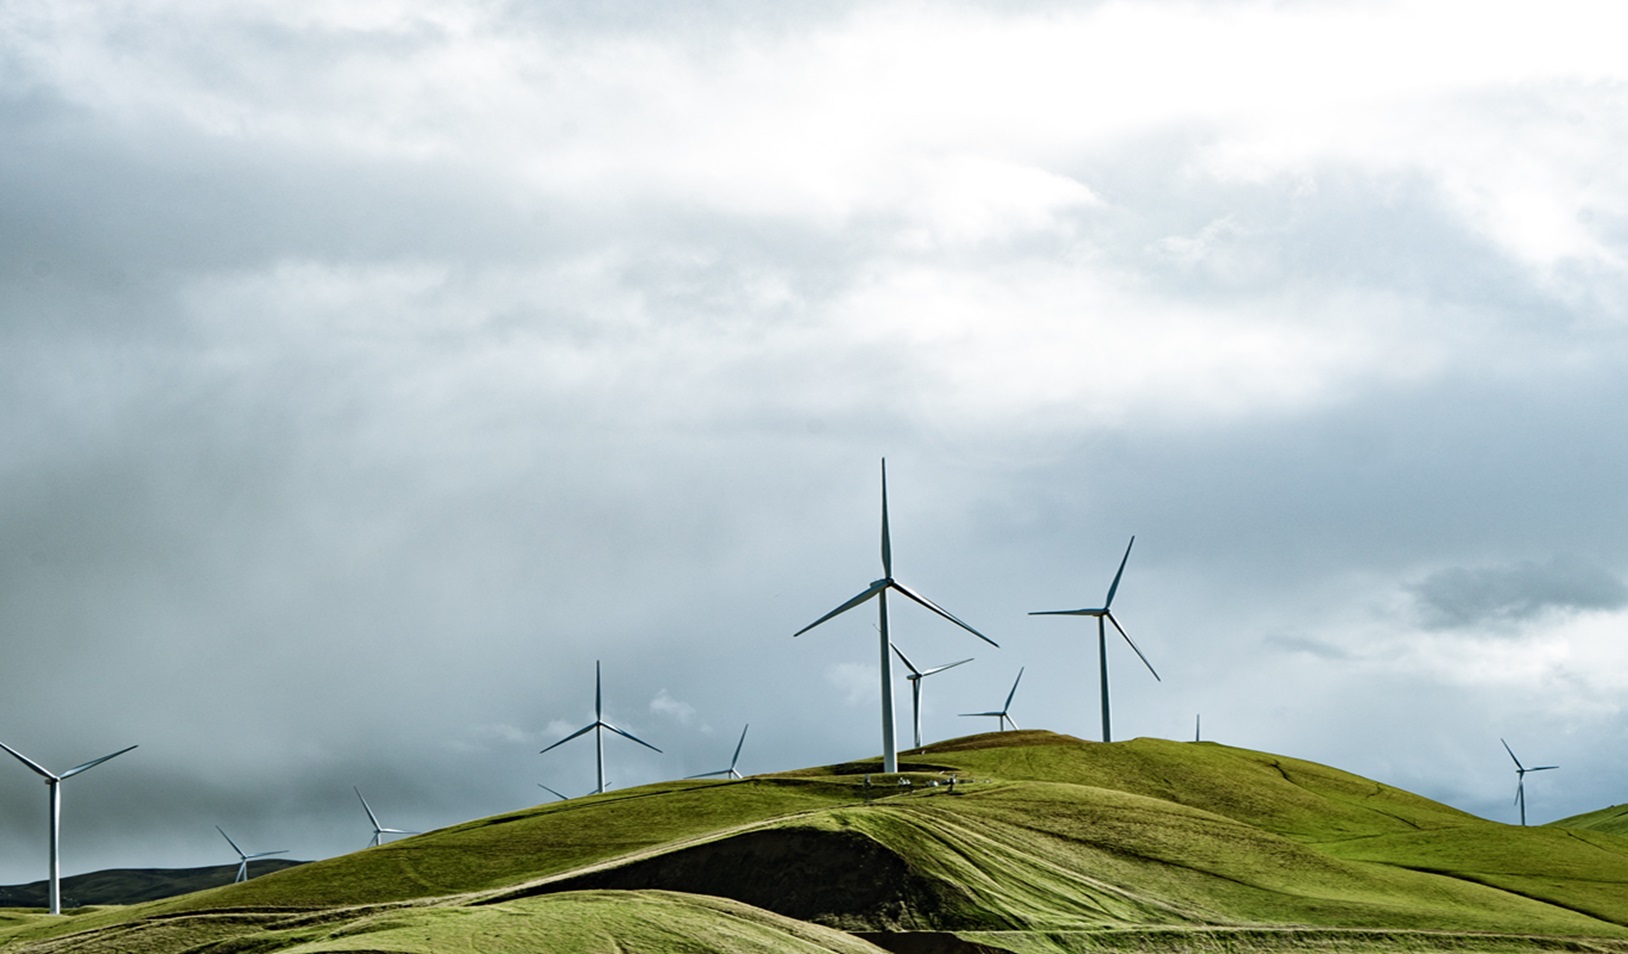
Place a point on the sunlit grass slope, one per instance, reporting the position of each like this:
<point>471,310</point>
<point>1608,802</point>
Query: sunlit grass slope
<point>1044,843</point>
<point>1613,820</point>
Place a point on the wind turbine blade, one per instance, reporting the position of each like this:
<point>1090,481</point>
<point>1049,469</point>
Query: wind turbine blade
<point>94,762</point>
<point>585,729</point>
<point>906,660</point>
<point>399,831</point>
<point>1011,720</point>
<point>887,543</point>
<point>1013,693</point>
<point>993,715</point>
<point>265,854</point>
<point>229,841</point>
<point>1133,645</point>
<point>42,770</point>
<point>907,591</point>
<point>1543,768</point>
<point>874,589</point>
<point>738,745</point>
<point>629,735</point>
<point>367,808</point>
<point>1512,755</point>
<point>1078,612</point>
<point>1114,587</point>
<point>552,792</point>
<point>937,669</point>
<point>598,695</point>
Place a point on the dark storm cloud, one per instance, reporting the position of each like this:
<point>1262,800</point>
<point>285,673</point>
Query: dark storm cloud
<point>1471,596</point>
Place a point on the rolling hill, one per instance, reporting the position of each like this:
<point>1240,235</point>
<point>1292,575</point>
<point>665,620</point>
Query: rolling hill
<point>1017,841</point>
<point>133,885</point>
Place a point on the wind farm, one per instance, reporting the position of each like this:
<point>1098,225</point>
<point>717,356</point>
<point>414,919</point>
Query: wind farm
<point>244,857</point>
<point>916,676</point>
<point>598,728</point>
<point>1520,779</point>
<point>879,590</point>
<point>1104,615</point>
<point>1003,714</point>
<point>53,783</point>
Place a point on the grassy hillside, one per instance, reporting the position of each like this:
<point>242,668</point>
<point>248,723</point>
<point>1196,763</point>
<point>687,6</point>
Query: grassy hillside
<point>1044,843</point>
<point>1613,820</point>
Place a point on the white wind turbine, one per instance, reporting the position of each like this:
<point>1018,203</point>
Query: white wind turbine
<point>915,677</point>
<point>244,859</point>
<point>378,831</point>
<point>1520,779</point>
<point>1002,713</point>
<point>731,770</point>
<point>54,782</point>
<point>1105,616</point>
<point>597,727</point>
<point>878,589</point>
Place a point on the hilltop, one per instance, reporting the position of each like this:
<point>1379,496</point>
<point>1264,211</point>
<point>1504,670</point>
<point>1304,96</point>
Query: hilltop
<point>1016,841</point>
<point>1613,820</point>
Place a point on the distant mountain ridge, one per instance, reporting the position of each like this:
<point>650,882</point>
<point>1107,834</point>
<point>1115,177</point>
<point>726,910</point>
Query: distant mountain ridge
<point>134,885</point>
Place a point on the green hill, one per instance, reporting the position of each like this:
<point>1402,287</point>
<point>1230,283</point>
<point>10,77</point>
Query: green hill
<point>1042,843</point>
<point>1613,820</point>
<point>133,885</point>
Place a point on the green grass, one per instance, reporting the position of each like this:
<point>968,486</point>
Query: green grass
<point>1613,820</point>
<point>1046,843</point>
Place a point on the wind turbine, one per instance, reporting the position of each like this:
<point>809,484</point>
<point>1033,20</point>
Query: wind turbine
<point>1520,778</point>
<point>878,589</point>
<point>597,727</point>
<point>54,782</point>
<point>1104,614</point>
<point>915,677</point>
<point>563,798</point>
<point>1002,714</point>
<point>243,859</point>
<point>378,831</point>
<point>731,770</point>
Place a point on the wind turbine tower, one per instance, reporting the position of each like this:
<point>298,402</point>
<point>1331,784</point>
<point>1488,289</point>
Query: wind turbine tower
<point>1003,712</point>
<point>597,727</point>
<point>732,762</point>
<point>244,859</point>
<point>54,782</point>
<point>378,831</point>
<point>879,589</point>
<point>915,677</point>
<point>1520,779</point>
<point>1104,616</point>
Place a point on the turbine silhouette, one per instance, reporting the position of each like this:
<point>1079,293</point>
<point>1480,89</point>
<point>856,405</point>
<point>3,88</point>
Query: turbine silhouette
<point>1002,713</point>
<point>54,782</point>
<point>1520,779</point>
<point>915,677</point>
<point>597,727</point>
<point>378,831</point>
<point>244,859</point>
<point>731,770</point>
<point>879,589</point>
<point>1104,616</point>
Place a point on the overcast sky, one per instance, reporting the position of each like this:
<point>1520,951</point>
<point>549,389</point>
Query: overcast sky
<point>370,369</point>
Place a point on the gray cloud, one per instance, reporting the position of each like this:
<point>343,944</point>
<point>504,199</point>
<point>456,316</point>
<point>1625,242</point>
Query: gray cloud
<point>361,384</point>
<point>1471,596</point>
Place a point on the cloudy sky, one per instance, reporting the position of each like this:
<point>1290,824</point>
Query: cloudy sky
<point>370,369</point>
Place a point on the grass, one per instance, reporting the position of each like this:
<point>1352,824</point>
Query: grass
<point>1047,843</point>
